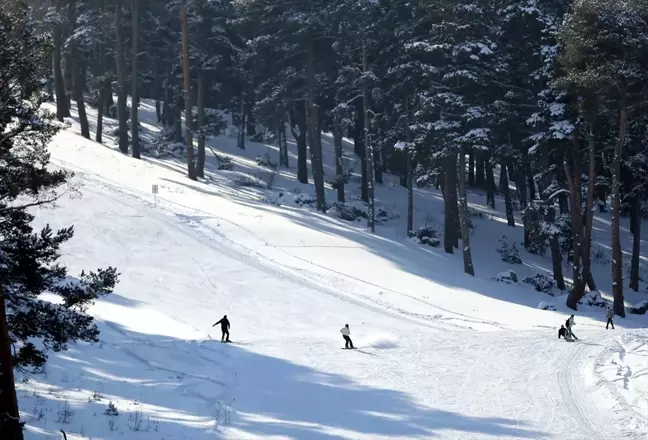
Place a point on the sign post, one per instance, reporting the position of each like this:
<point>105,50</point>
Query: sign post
<point>154,190</point>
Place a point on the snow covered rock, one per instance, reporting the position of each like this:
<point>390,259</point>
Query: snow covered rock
<point>507,277</point>
<point>541,283</point>
<point>426,235</point>
<point>593,299</point>
<point>546,306</point>
<point>348,212</point>
<point>640,308</point>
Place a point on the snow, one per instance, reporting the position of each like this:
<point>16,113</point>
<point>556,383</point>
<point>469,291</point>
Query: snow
<point>441,355</point>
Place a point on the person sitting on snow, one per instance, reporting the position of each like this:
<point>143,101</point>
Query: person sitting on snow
<point>562,332</point>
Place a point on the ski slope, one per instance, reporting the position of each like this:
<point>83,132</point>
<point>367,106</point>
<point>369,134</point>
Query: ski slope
<point>440,355</point>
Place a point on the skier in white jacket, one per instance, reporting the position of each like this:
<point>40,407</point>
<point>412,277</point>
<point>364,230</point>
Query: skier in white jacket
<point>346,334</point>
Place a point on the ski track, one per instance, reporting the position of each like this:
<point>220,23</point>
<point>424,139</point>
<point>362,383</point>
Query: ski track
<point>500,384</point>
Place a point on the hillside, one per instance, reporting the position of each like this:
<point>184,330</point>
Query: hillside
<point>441,354</point>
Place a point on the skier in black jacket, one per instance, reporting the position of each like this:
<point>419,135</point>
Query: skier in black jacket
<point>225,325</point>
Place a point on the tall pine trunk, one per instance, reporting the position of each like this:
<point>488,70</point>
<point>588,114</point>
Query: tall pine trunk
<point>134,79</point>
<point>242,123</point>
<point>200,162</point>
<point>556,256</point>
<point>463,215</point>
<point>121,79</point>
<point>574,182</point>
<point>191,166</point>
<point>10,427</point>
<point>617,263</point>
<point>504,189</point>
<point>78,78</point>
<point>298,127</point>
<point>339,166</point>
<point>368,147</point>
<point>471,167</point>
<point>281,138</point>
<point>490,181</point>
<point>451,227</point>
<point>589,215</point>
<point>359,146</point>
<point>480,178</point>
<point>636,245</point>
<point>315,131</point>
<point>62,107</point>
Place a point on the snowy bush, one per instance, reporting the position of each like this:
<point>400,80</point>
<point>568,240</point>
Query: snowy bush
<point>507,277</point>
<point>541,283</point>
<point>224,162</point>
<point>265,161</point>
<point>639,309</point>
<point>426,235</point>
<point>509,253</point>
<point>546,306</point>
<point>593,299</point>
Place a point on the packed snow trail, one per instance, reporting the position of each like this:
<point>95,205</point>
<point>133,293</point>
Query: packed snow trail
<point>285,377</point>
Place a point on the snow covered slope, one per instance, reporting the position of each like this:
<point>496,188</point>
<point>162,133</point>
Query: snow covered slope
<point>441,354</point>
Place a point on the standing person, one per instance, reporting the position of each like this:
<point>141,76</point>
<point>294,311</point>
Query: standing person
<point>610,317</point>
<point>225,325</point>
<point>346,334</point>
<point>569,324</point>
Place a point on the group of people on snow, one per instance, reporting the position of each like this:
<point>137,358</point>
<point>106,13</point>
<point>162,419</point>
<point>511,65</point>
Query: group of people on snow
<point>566,331</point>
<point>225,326</point>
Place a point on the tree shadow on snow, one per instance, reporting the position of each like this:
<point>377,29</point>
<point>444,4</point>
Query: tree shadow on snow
<point>189,389</point>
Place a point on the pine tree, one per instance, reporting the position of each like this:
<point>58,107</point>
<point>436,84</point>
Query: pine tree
<point>29,259</point>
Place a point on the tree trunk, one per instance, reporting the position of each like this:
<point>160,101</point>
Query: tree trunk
<point>157,91</point>
<point>463,215</point>
<point>617,263</point>
<point>62,108</point>
<point>471,167</point>
<point>409,173</point>
<point>100,114</point>
<point>315,132</point>
<point>556,256</point>
<point>636,245</point>
<point>281,136</point>
<point>298,120</point>
<point>368,147</point>
<point>480,178</point>
<point>77,74</point>
<point>378,165</point>
<point>410,193</point>
<point>574,182</point>
<point>490,182</point>
<point>134,79</point>
<point>504,189</point>
<point>200,162</point>
<point>121,79</point>
<point>10,426</point>
<point>191,167</point>
<point>339,165</point>
<point>242,126</point>
<point>530,182</point>
<point>589,216</point>
<point>451,227</point>
<point>359,148</point>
